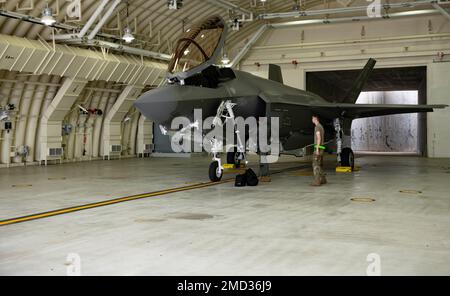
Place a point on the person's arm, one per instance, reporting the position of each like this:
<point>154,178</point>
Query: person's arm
<point>319,142</point>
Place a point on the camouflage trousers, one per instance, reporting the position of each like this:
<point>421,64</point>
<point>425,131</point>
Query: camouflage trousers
<point>318,166</point>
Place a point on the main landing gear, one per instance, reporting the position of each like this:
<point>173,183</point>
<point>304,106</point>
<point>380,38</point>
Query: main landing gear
<point>345,156</point>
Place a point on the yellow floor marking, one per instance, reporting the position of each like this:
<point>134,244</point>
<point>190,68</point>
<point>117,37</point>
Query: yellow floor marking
<point>56,178</point>
<point>116,201</point>
<point>407,191</point>
<point>108,202</point>
<point>22,185</point>
<point>304,173</point>
<point>363,199</point>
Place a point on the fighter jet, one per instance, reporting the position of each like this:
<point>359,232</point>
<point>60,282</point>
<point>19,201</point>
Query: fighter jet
<point>196,80</point>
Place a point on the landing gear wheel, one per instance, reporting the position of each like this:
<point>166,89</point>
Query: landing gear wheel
<point>233,158</point>
<point>215,172</point>
<point>348,158</point>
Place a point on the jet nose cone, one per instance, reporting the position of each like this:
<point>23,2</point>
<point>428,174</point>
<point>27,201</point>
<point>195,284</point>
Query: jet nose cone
<point>156,106</point>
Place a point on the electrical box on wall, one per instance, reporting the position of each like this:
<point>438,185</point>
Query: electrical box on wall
<point>7,125</point>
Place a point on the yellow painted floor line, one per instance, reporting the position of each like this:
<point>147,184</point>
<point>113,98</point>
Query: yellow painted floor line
<point>108,202</point>
<point>121,200</point>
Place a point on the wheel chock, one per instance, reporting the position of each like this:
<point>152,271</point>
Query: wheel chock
<point>228,166</point>
<point>341,169</point>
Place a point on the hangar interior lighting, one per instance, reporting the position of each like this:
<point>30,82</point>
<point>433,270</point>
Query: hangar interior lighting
<point>47,16</point>
<point>128,36</point>
<point>174,4</point>
<point>225,59</point>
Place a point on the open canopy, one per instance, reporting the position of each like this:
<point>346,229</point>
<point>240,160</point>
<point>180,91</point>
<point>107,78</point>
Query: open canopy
<point>199,45</point>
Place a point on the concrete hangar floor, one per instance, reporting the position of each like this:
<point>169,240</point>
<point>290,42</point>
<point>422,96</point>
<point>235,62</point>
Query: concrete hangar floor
<point>395,207</point>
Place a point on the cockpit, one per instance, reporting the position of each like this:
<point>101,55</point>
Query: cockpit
<point>197,53</point>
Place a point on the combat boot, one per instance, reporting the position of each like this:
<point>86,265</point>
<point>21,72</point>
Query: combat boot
<point>323,180</point>
<point>316,183</point>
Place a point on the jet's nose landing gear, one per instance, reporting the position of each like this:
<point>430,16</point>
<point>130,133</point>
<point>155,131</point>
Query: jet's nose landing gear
<point>215,172</point>
<point>215,168</point>
<point>236,156</point>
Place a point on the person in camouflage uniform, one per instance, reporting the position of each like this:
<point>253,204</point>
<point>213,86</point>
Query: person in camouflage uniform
<point>319,141</point>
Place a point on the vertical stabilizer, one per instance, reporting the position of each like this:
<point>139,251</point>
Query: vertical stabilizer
<point>275,73</point>
<point>353,94</point>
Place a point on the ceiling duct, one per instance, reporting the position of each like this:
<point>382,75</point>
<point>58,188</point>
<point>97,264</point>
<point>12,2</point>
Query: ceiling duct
<point>37,57</point>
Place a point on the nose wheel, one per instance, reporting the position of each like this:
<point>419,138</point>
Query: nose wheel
<point>215,172</point>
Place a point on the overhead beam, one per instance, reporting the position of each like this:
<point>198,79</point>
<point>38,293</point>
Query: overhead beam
<point>442,10</point>
<point>228,5</point>
<point>61,26</point>
<point>122,48</point>
<point>241,54</point>
<point>104,18</point>
<point>92,19</point>
<point>353,19</point>
<point>32,19</point>
<point>329,11</point>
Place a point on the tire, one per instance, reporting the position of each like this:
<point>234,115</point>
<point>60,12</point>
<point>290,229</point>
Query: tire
<point>232,159</point>
<point>215,174</point>
<point>348,158</point>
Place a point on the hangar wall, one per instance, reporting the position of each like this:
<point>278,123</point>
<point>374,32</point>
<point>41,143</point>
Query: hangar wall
<point>411,41</point>
<point>438,123</point>
<point>47,93</point>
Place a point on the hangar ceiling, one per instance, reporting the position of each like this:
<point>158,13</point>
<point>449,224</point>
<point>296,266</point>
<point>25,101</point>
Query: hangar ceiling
<point>156,27</point>
<point>153,18</point>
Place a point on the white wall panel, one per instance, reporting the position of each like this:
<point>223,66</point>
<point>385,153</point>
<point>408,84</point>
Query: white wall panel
<point>439,122</point>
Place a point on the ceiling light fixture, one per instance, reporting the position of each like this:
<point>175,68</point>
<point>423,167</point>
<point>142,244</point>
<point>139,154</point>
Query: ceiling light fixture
<point>128,36</point>
<point>225,59</point>
<point>47,16</point>
<point>174,4</point>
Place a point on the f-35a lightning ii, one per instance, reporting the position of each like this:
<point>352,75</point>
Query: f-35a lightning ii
<point>194,81</point>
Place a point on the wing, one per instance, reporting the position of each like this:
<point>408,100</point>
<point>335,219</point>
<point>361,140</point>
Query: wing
<point>355,111</point>
<point>346,110</point>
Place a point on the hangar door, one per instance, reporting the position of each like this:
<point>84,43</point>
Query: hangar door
<point>404,133</point>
